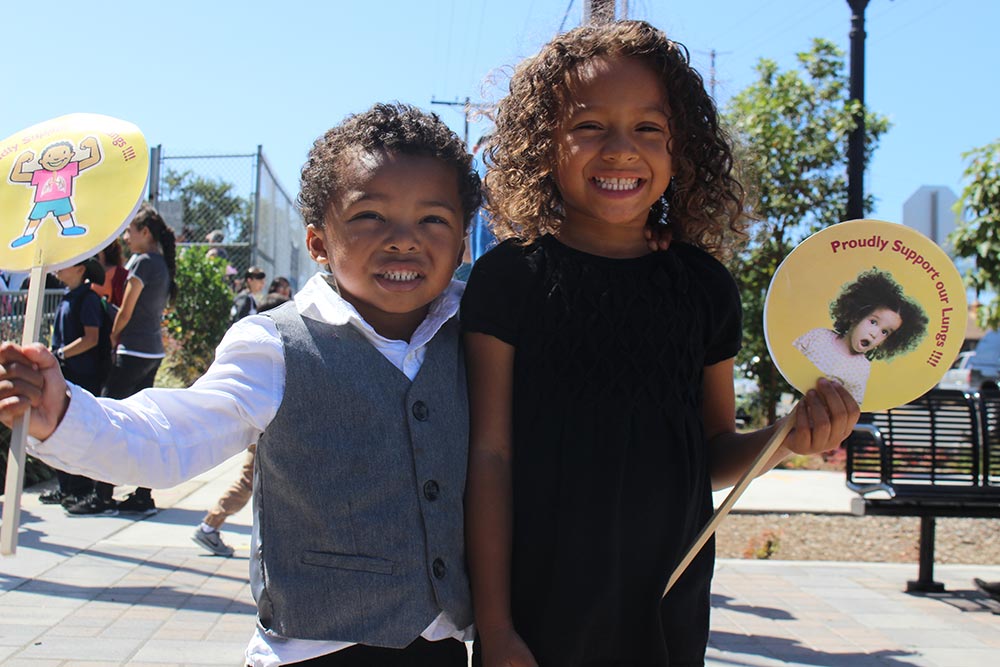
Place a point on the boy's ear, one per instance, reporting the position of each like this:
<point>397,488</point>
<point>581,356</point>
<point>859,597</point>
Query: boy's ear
<point>461,252</point>
<point>317,245</point>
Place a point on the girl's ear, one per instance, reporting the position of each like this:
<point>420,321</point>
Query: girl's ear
<point>461,252</point>
<point>316,242</point>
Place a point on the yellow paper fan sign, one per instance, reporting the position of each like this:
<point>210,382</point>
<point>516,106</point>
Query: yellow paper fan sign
<point>874,305</point>
<point>67,187</point>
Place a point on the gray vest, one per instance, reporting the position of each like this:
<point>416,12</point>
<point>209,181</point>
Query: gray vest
<point>359,488</point>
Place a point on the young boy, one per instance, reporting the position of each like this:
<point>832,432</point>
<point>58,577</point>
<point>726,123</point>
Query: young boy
<point>75,337</point>
<point>357,391</point>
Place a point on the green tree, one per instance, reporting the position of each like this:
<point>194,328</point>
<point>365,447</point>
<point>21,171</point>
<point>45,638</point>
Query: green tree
<point>210,204</point>
<point>791,129</point>
<point>978,235</point>
<point>199,316</point>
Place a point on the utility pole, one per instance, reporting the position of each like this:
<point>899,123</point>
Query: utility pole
<point>856,139</point>
<point>467,108</point>
<point>597,12</point>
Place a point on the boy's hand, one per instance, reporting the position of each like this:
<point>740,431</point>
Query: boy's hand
<point>658,237</point>
<point>30,377</point>
<point>823,418</point>
<point>506,649</point>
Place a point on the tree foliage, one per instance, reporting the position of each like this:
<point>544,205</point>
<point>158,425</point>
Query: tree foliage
<point>791,129</point>
<point>209,204</point>
<point>978,235</point>
<point>200,315</point>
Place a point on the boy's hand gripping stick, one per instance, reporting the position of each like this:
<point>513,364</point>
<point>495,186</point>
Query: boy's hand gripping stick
<point>68,187</point>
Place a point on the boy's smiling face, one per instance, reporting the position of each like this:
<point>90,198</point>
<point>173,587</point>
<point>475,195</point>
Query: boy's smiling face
<point>56,157</point>
<point>392,237</point>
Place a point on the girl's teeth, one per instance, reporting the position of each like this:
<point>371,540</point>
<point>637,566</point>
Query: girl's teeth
<point>617,183</point>
<point>401,276</point>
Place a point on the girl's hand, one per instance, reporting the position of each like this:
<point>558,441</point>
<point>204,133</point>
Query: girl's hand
<point>823,418</point>
<point>506,649</point>
<point>30,377</point>
<point>658,237</point>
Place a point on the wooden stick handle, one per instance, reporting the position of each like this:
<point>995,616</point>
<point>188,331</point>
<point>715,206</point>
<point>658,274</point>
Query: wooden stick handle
<point>14,482</point>
<point>723,511</point>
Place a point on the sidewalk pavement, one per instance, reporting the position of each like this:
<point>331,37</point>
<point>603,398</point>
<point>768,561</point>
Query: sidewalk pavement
<point>121,591</point>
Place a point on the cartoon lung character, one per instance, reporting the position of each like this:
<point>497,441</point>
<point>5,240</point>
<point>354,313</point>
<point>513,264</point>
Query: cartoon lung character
<point>53,183</point>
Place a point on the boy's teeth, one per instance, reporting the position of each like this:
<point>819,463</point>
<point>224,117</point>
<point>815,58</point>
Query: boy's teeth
<point>401,276</point>
<point>617,183</point>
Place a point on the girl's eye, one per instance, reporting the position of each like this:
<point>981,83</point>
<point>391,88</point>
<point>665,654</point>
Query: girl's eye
<point>649,128</point>
<point>435,219</point>
<point>368,215</point>
<point>587,125</point>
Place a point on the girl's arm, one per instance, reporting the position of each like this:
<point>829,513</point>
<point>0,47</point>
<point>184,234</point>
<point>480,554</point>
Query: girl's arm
<point>488,513</point>
<point>133,288</point>
<point>824,417</point>
<point>85,342</point>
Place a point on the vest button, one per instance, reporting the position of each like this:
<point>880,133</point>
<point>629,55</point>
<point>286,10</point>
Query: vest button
<point>421,411</point>
<point>431,490</point>
<point>439,569</point>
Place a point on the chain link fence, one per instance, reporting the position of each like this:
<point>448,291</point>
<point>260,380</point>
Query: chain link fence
<point>233,205</point>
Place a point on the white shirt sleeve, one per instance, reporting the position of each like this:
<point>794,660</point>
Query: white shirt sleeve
<point>160,437</point>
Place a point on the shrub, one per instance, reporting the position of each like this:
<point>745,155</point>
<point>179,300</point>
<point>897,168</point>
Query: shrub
<point>764,546</point>
<point>199,317</point>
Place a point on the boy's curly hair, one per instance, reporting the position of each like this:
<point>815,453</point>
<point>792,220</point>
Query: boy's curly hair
<point>876,289</point>
<point>706,200</point>
<point>385,128</point>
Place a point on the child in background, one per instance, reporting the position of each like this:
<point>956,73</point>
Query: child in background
<point>601,373</point>
<point>872,319</point>
<point>75,336</point>
<point>357,391</point>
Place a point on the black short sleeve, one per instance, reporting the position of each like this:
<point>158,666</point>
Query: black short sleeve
<point>494,297</point>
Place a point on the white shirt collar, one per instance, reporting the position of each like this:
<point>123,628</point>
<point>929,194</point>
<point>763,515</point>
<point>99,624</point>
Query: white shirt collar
<point>320,300</point>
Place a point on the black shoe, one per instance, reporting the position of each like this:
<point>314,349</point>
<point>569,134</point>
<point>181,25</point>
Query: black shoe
<point>69,501</point>
<point>134,504</point>
<point>991,588</point>
<point>93,506</point>
<point>53,497</point>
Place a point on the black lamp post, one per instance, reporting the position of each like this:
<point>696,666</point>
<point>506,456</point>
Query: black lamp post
<point>856,140</point>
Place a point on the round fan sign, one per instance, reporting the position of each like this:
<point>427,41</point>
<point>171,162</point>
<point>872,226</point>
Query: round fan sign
<point>874,305</point>
<point>67,187</point>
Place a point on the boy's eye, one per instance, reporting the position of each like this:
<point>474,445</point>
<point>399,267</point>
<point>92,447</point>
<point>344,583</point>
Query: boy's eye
<point>434,219</point>
<point>367,215</point>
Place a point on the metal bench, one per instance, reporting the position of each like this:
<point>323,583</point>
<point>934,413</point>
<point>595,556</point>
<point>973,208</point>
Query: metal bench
<point>938,456</point>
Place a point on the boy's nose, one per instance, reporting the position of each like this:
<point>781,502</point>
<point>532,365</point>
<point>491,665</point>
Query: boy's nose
<point>402,239</point>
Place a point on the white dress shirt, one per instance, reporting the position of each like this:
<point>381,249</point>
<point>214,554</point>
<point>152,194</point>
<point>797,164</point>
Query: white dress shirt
<point>161,437</point>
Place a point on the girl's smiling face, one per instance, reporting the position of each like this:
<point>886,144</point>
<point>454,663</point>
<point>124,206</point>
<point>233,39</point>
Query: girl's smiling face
<point>612,161</point>
<point>873,330</point>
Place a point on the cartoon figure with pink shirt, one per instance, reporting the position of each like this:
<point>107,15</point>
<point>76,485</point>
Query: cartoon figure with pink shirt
<point>53,182</point>
<point>872,319</point>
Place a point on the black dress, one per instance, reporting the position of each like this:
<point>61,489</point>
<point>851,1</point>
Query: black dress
<point>610,470</point>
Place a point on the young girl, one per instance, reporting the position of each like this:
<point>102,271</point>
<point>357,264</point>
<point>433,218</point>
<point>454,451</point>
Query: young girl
<point>872,319</point>
<point>601,373</point>
<point>137,336</point>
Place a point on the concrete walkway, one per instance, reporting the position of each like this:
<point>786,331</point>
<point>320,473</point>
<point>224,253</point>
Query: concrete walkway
<point>117,591</point>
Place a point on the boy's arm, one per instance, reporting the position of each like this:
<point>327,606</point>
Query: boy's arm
<point>488,513</point>
<point>824,417</point>
<point>17,175</point>
<point>95,153</point>
<point>159,437</point>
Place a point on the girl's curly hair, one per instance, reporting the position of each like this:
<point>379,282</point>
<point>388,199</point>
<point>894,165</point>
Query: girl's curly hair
<point>385,128</point>
<point>706,201</point>
<point>875,289</point>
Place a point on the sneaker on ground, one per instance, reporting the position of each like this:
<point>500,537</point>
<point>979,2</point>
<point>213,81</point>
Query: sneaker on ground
<point>53,497</point>
<point>991,588</point>
<point>69,501</point>
<point>93,506</point>
<point>134,504</point>
<point>212,542</point>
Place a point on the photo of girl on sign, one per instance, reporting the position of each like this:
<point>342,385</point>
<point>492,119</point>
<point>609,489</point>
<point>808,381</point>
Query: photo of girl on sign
<point>872,320</point>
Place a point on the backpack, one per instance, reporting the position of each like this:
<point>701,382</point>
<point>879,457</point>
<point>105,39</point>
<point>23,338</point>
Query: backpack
<point>105,359</point>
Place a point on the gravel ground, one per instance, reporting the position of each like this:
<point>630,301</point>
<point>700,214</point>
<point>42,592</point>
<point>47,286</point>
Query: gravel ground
<point>852,538</point>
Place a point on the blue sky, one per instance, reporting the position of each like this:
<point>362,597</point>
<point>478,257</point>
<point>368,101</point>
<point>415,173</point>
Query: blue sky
<point>218,76</point>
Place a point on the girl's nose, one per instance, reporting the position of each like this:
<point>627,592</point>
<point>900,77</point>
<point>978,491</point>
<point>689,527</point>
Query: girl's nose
<point>619,147</point>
